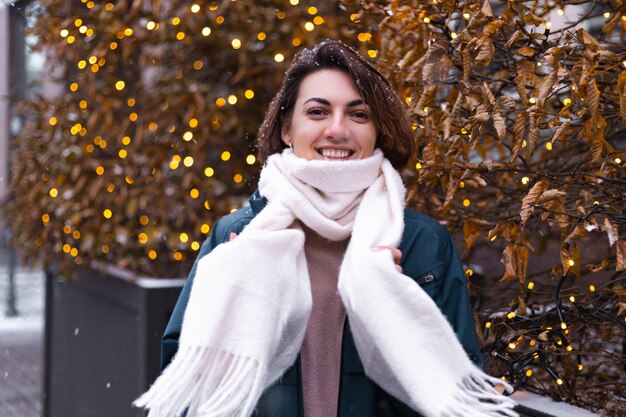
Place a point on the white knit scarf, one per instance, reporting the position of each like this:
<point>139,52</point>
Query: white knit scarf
<point>251,299</point>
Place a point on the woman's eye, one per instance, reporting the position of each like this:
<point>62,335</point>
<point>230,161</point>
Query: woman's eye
<point>315,112</point>
<point>361,115</point>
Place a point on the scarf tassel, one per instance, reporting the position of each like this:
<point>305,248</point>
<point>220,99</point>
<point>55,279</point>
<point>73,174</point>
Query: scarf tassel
<point>208,383</point>
<point>477,397</point>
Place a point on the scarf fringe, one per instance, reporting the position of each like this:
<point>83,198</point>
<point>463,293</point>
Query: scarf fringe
<point>477,397</point>
<point>207,382</point>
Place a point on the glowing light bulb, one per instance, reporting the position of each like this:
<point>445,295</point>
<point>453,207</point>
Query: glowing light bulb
<point>236,43</point>
<point>120,85</point>
<point>466,202</point>
<point>531,285</point>
<point>195,8</point>
<point>206,31</point>
<point>279,57</point>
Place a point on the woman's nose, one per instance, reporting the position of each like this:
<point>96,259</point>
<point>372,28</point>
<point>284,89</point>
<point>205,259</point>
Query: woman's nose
<point>337,128</point>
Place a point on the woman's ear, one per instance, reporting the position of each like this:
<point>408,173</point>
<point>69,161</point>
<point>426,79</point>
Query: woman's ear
<point>285,136</point>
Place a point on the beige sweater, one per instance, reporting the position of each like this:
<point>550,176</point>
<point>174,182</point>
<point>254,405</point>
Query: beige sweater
<point>321,350</point>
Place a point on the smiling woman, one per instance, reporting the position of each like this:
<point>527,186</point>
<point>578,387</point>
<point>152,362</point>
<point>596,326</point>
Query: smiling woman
<point>326,297</point>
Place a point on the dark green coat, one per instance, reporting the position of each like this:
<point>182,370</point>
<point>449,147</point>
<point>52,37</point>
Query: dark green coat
<point>428,256</point>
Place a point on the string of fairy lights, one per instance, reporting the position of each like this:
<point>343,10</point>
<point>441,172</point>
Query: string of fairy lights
<point>82,32</point>
<point>545,331</point>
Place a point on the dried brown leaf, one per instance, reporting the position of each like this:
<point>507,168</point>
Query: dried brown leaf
<point>515,36</point>
<point>471,232</point>
<point>579,231</point>
<point>559,131</point>
<point>550,195</point>
<point>499,123</point>
<point>408,59</point>
<point>621,87</point>
<point>570,259</point>
<point>598,267</point>
<point>611,231</point>
<point>526,51</point>
<point>620,249</point>
<point>519,133</point>
<point>530,199</point>
<point>515,260</point>
<point>592,98</point>
<point>544,88</point>
<point>429,153</point>
<point>467,63</point>
<point>619,290</point>
<point>485,52</point>
<point>533,132</point>
<point>486,9</point>
<point>587,39</point>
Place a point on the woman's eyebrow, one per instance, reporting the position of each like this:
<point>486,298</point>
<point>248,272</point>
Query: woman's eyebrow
<point>325,102</point>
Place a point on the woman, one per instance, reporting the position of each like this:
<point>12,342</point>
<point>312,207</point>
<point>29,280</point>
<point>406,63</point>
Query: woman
<point>301,305</point>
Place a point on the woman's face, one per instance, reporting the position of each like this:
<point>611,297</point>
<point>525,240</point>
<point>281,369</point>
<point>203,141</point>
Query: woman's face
<point>330,120</point>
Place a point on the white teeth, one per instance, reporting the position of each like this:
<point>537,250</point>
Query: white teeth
<point>332,153</point>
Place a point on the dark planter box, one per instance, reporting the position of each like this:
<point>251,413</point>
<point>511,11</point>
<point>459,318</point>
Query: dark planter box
<point>102,340</point>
